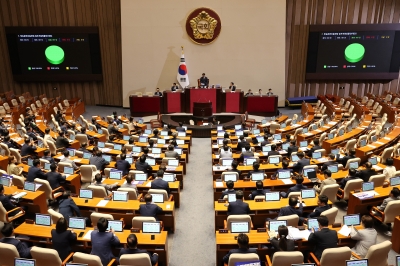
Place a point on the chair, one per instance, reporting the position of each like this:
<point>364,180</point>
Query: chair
<point>322,151</point>
<point>131,192</point>
<point>98,191</point>
<point>322,137</point>
<point>14,102</point>
<point>21,99</point>
<point>52,148</point>
<point>66,103</point>
<point>2,111</point>
<point>137,221</point>
<point>378,180</point>
<point>237,257</point>
<point>88,173</point>
<point>396,101</point>
<point>273,127</point>
<point>297,132</point>
<point>389,214</point>
<point>352,160</point>
<point>8,253</point>
<point>55,216</point>
<point>4,215</point>
<point>350,145</point>
<point>292,220</point>
<point>237,219</point>
<point>95,216</point>
<point>7,107</point>
<point>341,102</point>
<point>377,253</point>
<point>351,185</point>
<point>285,258</point>
<point>82,138</point>
<point>5,148</point>
<point>51,194</point>
<point>45,101</point>
<point>364,100</point>
<point>376,112</point>
<point>332,257</point>
<point>18,181</point>
<point>350,112</point>
<point>163,192</point>
<point>48,256</point>
<point>109,145</point>
<point>362,137</point>
<point>16,154</point>
<point>38,104</point>
<point>387,153</point>
<point>141,259</point>
<point>330,191</point>
<point>229,173</point>
<point>331,214</point>
<point>296,194</point>
<point>370,103</point>
<point>375,105</point>
<point>90,260</point>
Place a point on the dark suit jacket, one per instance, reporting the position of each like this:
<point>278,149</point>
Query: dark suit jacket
<point>50,159</point>
<point>99,162</point>
<point>150,209</point>
<point>258,192</point>
<point>239,250</point>
<point>289,210</point>
<point>35,172</point>
<point>344,181</point>
<point>23,250</point>
<point>123,166</point>
<point>153,258</point>
<point>7,204</point>
<point>27,150</point>
<point>241,145</point>
<point>174,88</point>
<point>180,129</point>
<point>158,93</point>
<point>344,160</point>
<point>32,135</point>
<point>314,148</point>
<point>145,167</point>
<point>292,149</point>
<point>289,243</point>
<point>55,178</point>
<point>295,188</point>
<point>325,165</point>
<point>265,142</point>
<point>238,207</point>
<point>158,183</point>
<point>273,153</point>
<point>204,80</point>
<point>323,239</point>
<point>298,167</point>
<point>62,142</point>
<point>62,242</point>
<point>317,211</point>
<point>67,208</point>
<point>102,243</point>
<point>366,174</point>
<point>250,172</point>
<point>233,88</point>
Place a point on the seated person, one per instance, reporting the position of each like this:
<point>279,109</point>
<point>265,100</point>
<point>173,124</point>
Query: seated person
<point>352,176</point>
<point>241,143</point>
<point>331,161</point>
<point>55,178</point>
<point>343,161</point>
<point>31,134</point>
<point>12,168</point>
<point>322,206</point>
<point>291,209</point>
<point>112,128</point>
<point>155,133</point>
<point>365,237</point>
<point>248,93</point>
<point>273,150</point>
<point>10,143</point>
<point>97,160</point>
<point>238,206</point>
<point>394,195</point>
<point>98,182</point>
<point>170,153</point>
<point>131,243</point>
<point>314,148</point>
<point>123,165</point>
<point>8,232</point>
<point>103,241</point>
<point>35,171</point>
<point>128,184</point>
<point>282,243</point>
<point>28,148</point>
<point>367,173</point>
<point>292,147</point>
<point>180,128</point>
<point>225,152</point>
<point>296,188</point>
<point>229,189</point>
<point>234,166</point>
<point>7,204</point>
<point>324,238</point>
<point>158,92</point>
<point>285,167</point>
<point>328,180</point>
<point>389,171</point>
<point>159,183</point>
<point>256,167</point>
<point>83,131</point>
<point>259,191</point>
<point>287,138</point>
<point>62,141</point>
<point>62,238</point>
<point>149,209</point>
<point>141,165</point>
<point>243,243</point>
<point>47,156</point>
<point>298,166</point>
<point>66,159</point>
<point>67,206</point>
<point>83,147</point>
<point>265,141</point>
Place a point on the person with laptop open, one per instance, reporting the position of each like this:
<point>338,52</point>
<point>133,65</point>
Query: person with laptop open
<point>7,204</point>
<point>234,166</point>
<point>322,206</point>
<point>54,177</point>
<point>98,161</point>
<point>128,184</point>
<point>241,143</point>
<point>343,161</point>
<point>367,173</point>
<point>259,191</point>
<point>141,165</point>
<point>8,232</point>
<point>66,159</point>
<point>281,242</point>
<point>394,195</point>
<point>47,156</point>
<point>123,165</point>
<point>132,243</point>
<point>331,161</point>
<point>62,141</point>
<point>28,148</point>
<point>352,176</point>
<point>390,170</point>
<point>256,167</point>
<point>149,209</point>
<point>103,242</point>
<point>365,237</point>
<point>247,153</point>
<point>159,183</point>
<point>63,239</point>
<point>298,166</point>
<point>170,153</point>
<point>67,206</point>
<point>229,189</point>
<point>328,180</point>
<point>35,171</point>
<point>243,243</point>
<point>273,150</point>
<point>296,188</point>
<point>293,147</point>
<point>291,209</point>
<point>314,148</point>
<point>322,239</point>
<point>98,182</point>
<point>238,206</point>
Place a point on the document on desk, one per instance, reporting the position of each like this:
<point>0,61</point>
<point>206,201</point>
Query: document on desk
<point>102,203</point>
<point>345,230</point>
<point>380,143</point>
<point>387,138</point>
<point>88,235</point>
<point>77,160</point>
<point>332,123</point>
<point>296,234</point>
<point>219,184</point>
<point>287,181</point>
<point>371,146</point>
<point>365,194</point>
<point>148,184</point>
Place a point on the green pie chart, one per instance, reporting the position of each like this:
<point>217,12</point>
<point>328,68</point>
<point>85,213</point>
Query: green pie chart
<point>354,52</point>
<point>54,54</point>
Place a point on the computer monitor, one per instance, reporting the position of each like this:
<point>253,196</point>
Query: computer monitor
<point>140,121</point>
<point>40,144</point>
<point>157,198</point>
<point>77,223</point>
<point>87,155</point>
<point>294,157</point>
<point>106,157</point>
<point>86,193</point>
<point>42,219</point>
<point>30,186</point>
<point>307,170</point>
<point>294,122</point>
<point>274,225</point>
<point>24,262</point>
<point>273,160</point>
<point>362,262</point>
<point>395,181</point>
<point>335,151</point>
<point>151,227</point>
<point>322,123</point>
<point>266,148</point>
<point>120,196</point>
<point>72,137</point>
<point>256,131</point>
<point>126,138</point>
<point>307,193</point>
<point>116,225</point>
<point>272,196</point>
<point>220,133</point>
<point>30,162</point>
<point>180,141</point>
<point>373,160</point>
<point>303,144</point>
<point>47,166</point>
<point>100,131</point>
<point>249,161</point>
<point>173,162</point>
<point>312,223</point>
<point>140,176</point>
<point>164,133</point>
<point>71,152</point>
<point>68,170</point>
<point>136,149</point>
<point>363,142</point>
<point>239,227</point>
<point>314,127</point>
<point>285,146</point>
<point>231,197</point>
<point>226,162</point>
<point>117,147</point>
<point>353,165</point>
<point>284,174</point>
<point>305,130</point>
<point>120,126</point>
<point>129,160</point>
<point>169,177</point>
<point>219,128</point>
<point>277,137</point>
<point>351,219</point>
<point>283,125</point>
<point>230,177</point>
<point>260,139</point>
<point>367,186</point>
<point>333,168</point>
<point>341,132</point>
<point>117,175</point>
<point>179,151</point>
<point>374,138</point>
<point>101,144</point>
<point>330,136</point>
<point>237,127</point>
<point>156,150</point>
<point>142,139</point>
<point>160,141</point>
<point>151,161</point>
<point>239,132</point>
<point>316,155</point>
<point>181,134</point>
<point>257,176</point>
<point>264,121</point>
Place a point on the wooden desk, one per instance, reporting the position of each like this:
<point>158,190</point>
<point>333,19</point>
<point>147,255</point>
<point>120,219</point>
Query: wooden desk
<point>316,133</point>
<point>3,162</point>
<point>290,129</point>
<point>395,235</point>
<point>36,201</point>
<point>42,234</point>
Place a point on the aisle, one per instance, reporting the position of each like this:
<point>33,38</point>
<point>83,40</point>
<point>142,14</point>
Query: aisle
<point>194,239</point>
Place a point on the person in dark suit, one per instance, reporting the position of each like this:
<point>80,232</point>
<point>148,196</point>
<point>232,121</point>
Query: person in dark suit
<point>247,153</point>
<point>98,178</point>
<point>234,166</point>
<point>8,232</point>
<point>35,171</point>
<point>204,81</point>
<point>238,206</point>
<point>367,173</point>
<point>352,176</point>
<point>68,207</point>
<point>291,209</point>
<point>7,204</point>
<point>298,166</point>
<point>62,238</point>
<point>273,150</point>
<point>232,87</point>
<point>243,243</point>
<point>180,128</point>
<point>322,206</point>
<point>55,178</point>
<point>265,141</point>
<point>149,209</point>
<point>259,191</point>
<point>132,243</point>
<point>174,87</point>
<point>62,141</point>
<point>28,148</point>
<point>141,165</point>
<point>285,168</point>
<point>159,183</point>
<point>296,188</point>
<point>314,148</point>
<point>229,189</point>
<point>331,161</point>
<point>256,167</point>
<point>103,242</point>
<point>270,93</point>
<point>9,143</point>
<point>351,155</point>
<point>282,243</point>
<point>158,92</point>
<point>123,165</point>
<point>30,133</point>
<point>241,143</point>
<point>248,93</point>
<point>47,156</point>
<point>98,161</point>
<point>292,147</point>
<point>112,128</point>
<point>324,238</point>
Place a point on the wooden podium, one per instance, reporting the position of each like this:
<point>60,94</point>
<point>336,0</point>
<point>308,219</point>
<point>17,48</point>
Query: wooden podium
<point>202,109</point>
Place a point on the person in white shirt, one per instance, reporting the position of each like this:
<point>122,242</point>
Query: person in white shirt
<point>47,137</point>
<point>390,170</point>
<point>365,237</point>
<point>225,152</point>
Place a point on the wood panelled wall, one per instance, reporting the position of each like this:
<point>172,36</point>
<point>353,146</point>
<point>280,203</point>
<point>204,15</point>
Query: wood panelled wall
<point>302,13</point>
<point>106,14</point>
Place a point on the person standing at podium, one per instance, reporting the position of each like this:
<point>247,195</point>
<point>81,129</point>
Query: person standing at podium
<point>174,87</point>
<point>204,81</point>
<point>248,93</point>
<point>232,87</point>
<point>158,92</point>
<point>269,93</point>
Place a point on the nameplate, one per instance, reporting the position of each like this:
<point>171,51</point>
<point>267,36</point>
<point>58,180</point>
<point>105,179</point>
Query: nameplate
<point>221,201</point>
<point>336,225</point>
<point>29,221</point>
<point>223,231</point>
<point>385,185</point>
<point>357,190</point>
<point>261,230</point>
<point>135,230</point>
<point>259,200</point>
<point>246,179</point>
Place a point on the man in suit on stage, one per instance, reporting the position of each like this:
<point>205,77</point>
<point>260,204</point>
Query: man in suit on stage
<point>232,87</point>
<point>174,87</point>
<point>270,93</point>
<point>204,81</point>
<point>158,92</point>
<point>238,206</point>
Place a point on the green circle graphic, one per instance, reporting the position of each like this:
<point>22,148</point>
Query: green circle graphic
<point>354,52</point>
<point>54,54</point>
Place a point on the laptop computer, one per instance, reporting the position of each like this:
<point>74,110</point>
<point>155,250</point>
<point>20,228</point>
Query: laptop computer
<point>47,166</point>
<point>169,177</point>
<point>140,121</point>
<point>181,134</point>
<point>219,128</point>
<point>143,139</point>
<point>303,144</point>
<point>285,146</point>
<point>136,149</point>
<point>180,141</point>
<point>100,131</point>
<point>353,165</point>
<point>273,225</point>
<point>68,171</point>
<point>272,196</point>
<point>312,223</point>
<point>5,181</point>
<point>307,193</point>
<point>362,262</point>
<point>373,160</point>
<point>156,150</point>
<point>367,186</point>
<point>179,151</point>
<point>237,127</point>
<point>126,138</point>
<point>277,137</point>
<point>351,219</point>
<point>230,177</point>
<point>226,162</point>
<point>317,155</point>
<point>284,174</point>
<point>77,223</point>
<point>374,138</point>
<point>101,144</point>
<point>151,161</point>
<point>256,131</point>
<point>283,125</point>
<point>232,197</point>
<point>330,136</point>
<point>173,162</point>
<point>129,160</point>
<point>395,181</point>
<point>363,142</point>
<point>140,176</point>
<point>314,127</point>
<point>157,198</point>
<point>341,132</point>
<point>30,162</point>
<point>163,133</point>
<point>239,227</point>
<point>151,227</point>
<point>220,133</point>
<point>160,141</point>
<point>266,148</point>
<point>294,157</point>
<point>305,130</point>
<point>117,175</point>
<point>257,176</point>
<point>273,160</point>
<point>120,196</point>
<point>333,168</point>
<point>239,132</point>
<point>117,147</point>
<point>116,225</point>
<point>312,175</point>
<point>40,144</point>
<point>42,219</point>
<point>86,193</point>
<point>264,121</point>
<point>86,155</point>
<point>249,161</point>
<point>24,262</point>
<point>30,186</point>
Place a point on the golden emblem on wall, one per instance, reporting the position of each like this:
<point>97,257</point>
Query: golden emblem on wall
<point>203,25</point>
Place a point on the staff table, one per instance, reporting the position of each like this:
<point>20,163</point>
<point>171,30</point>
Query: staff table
<point>36,201</point>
